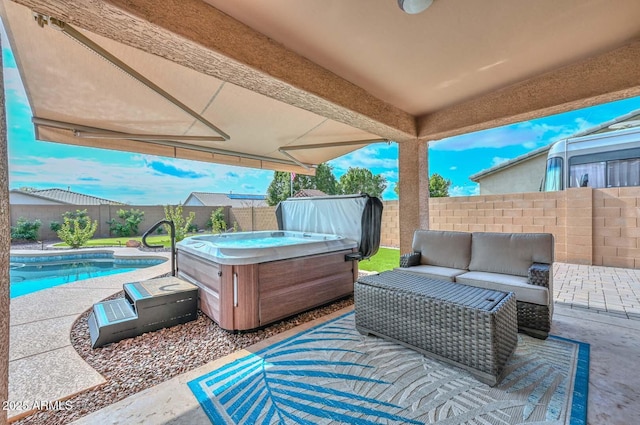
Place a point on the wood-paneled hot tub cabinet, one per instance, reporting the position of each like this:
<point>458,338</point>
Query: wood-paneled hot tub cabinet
<point>250,279</point>
<point>249,296</point>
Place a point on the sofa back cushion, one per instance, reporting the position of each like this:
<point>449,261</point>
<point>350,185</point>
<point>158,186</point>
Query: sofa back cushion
<point>509,253</point>
<point>443,248</point>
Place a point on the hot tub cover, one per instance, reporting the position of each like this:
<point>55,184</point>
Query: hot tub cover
<point>355,217</point>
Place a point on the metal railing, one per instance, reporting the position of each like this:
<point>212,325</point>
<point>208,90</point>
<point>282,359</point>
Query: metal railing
<point>173,241</point>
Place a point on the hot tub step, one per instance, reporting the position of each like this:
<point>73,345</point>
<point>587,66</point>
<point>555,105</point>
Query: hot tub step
<point>147,306</point>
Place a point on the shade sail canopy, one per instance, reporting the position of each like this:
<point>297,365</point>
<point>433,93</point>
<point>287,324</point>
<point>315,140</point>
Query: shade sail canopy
<point>324,73</point>
<point>80,97</point>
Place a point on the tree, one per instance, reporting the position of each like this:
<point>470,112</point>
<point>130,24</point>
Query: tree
<point>180,223</point>
<point>280,188</point>
<point>438,186</point>
<point>362,180</point>
<point>79,215</point>
<point>76,231</point>
<point>325,180</point>
<point>217,222</point>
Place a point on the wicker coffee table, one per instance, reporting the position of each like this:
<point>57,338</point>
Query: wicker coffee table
<point>472,328</point>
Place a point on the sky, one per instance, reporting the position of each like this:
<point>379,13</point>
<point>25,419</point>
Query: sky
<point>151,180</point>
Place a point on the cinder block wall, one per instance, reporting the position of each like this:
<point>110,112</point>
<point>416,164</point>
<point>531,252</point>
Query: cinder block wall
<point>254,219</point>
<point>102,214</point>
<point>517,213</point>
<point>390,228</point>
<point>616,227</point>
<point>590,226</point>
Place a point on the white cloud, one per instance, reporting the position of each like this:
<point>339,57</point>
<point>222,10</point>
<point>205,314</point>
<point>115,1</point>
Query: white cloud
<point>453,168</point>
<point>132,182</point>
<point>391,175</point>
<point>468,190</point>
<point>373,156</point>
<point>530,134</point>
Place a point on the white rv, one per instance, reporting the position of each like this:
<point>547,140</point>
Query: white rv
<point>610,158</point>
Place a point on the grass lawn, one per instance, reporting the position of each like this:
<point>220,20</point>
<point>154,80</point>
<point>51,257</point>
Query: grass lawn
<point>164,240</point>
<point>385,259</point>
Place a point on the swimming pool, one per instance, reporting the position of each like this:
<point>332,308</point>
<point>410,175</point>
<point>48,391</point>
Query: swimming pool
<point>33,273</point>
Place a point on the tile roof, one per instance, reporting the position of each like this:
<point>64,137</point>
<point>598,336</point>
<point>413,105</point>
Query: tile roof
<point>68,197</point>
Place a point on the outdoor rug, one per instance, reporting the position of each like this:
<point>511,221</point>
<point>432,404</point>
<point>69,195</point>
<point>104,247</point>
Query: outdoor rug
<point>332,374</point>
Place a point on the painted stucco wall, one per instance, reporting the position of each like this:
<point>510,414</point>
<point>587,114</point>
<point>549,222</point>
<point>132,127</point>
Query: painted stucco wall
<point>24,199</point>
<point>525,176</point>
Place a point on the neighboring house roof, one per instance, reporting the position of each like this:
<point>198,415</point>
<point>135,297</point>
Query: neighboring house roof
<point>510,163</point>
<point>226,199</point>
<point>308,193</point>
<point>67,197</point>
<point>632,119</point>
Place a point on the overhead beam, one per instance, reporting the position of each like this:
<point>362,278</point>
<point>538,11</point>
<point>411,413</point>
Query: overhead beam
<point>611,76</point>
<point>199,36</point>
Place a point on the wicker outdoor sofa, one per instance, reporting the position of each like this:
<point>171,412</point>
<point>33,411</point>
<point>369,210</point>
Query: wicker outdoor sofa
<point>521,263</point>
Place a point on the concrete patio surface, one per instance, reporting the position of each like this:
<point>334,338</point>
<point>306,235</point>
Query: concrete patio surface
<point>43,365</point>
<point>597,305</point>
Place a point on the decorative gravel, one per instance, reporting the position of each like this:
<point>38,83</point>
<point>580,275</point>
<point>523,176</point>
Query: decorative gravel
<point>134,364</point>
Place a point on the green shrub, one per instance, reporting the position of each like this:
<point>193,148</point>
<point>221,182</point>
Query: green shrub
<point>80,215</point>
<point>74,234</point>
<point>216,222</point>
<point>55,226</point>
<point>25,230</point>
<point>181,223</point>
<point>130,221</point>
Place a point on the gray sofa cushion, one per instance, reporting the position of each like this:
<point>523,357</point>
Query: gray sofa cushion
<point>443,248</point>
<point>509,253</point>
<point>503,282</point>
<point>434,272</point>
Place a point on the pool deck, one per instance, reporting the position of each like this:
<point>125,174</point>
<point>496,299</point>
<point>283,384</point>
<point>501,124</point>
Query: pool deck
<point>597,305</point>
<point>43,365</point>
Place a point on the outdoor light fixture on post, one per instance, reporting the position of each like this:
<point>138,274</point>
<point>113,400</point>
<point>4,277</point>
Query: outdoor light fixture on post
<point>414,6</point>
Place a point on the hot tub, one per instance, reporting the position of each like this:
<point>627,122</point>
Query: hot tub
<point>251,279</point>
<point>259,247</point>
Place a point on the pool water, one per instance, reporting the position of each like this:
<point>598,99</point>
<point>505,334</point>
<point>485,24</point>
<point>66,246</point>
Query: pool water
<point>27,277</point>
<point>267,242</point>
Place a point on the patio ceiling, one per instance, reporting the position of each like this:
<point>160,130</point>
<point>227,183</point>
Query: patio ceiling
<point>323,73</point>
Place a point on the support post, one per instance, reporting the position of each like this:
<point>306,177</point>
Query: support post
<point>413,190</point>
<point>5,246</point>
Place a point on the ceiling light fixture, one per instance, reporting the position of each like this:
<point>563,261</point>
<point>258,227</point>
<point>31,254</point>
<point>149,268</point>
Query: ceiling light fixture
<point>414,6</point>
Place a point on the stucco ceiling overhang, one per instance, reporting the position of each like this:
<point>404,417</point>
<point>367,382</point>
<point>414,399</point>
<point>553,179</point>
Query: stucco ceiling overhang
<point>319,72</point>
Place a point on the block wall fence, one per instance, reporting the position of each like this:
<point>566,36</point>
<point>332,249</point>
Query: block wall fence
<point>102,214</point>
<point>590,226</point>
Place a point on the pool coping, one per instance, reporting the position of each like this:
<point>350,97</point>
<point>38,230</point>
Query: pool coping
<point>117,252</point>
<point>43,365</point>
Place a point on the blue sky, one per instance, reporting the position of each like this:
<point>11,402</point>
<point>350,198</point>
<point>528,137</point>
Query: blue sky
<point>150,180</point>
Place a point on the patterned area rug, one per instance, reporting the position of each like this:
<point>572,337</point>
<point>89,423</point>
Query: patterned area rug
<point>332,374</point>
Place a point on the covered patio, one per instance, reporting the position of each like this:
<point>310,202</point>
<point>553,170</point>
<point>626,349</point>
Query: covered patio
<point>286,85</point>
